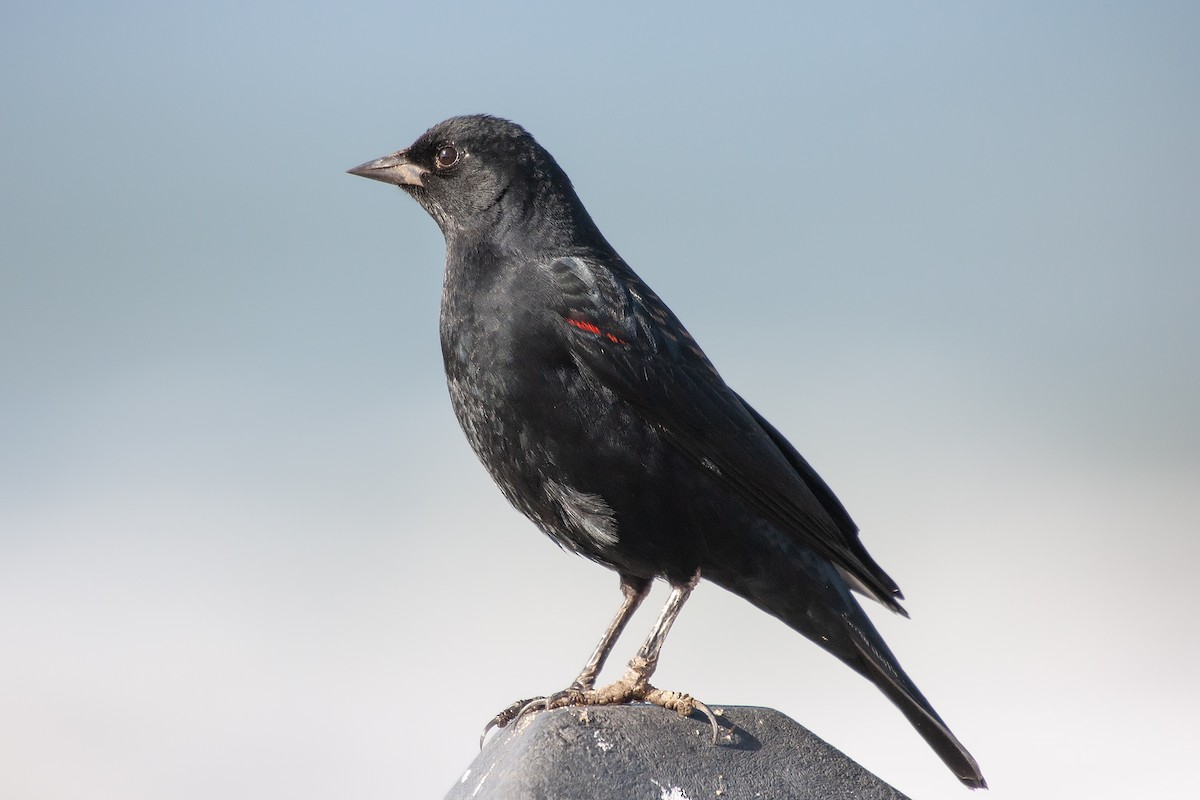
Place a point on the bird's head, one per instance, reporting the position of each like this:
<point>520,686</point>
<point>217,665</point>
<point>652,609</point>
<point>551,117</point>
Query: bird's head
<point>485,175</point>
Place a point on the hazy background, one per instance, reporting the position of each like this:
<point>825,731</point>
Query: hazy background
<point>952,250</point>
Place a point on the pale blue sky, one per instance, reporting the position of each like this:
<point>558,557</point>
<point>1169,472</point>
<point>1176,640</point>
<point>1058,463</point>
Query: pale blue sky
<point>951,250</point>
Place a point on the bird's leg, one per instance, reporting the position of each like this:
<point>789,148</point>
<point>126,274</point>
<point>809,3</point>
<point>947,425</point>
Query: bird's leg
<point>634,685</point>
<point>646,661</point>
<point>634,591</point>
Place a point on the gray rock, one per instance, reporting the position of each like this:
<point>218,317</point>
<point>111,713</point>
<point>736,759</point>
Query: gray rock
<point>640,752</point>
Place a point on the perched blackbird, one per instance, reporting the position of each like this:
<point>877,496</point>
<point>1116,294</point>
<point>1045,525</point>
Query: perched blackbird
<point>600,418</point>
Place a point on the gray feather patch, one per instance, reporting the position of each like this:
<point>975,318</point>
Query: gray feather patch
<point>586,515</point>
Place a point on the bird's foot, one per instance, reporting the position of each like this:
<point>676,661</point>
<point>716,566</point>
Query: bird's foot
<point>518,709</point>
<point>633,687</point>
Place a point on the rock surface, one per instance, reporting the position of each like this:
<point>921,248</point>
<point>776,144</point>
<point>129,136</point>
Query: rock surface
<point>639,751</point>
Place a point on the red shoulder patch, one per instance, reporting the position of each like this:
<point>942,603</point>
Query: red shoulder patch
<point>588,327</point>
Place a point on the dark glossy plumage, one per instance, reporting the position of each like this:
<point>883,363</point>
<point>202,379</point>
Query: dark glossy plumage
<point>602,420</point>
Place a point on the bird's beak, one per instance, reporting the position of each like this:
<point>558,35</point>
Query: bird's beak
<point>396,169</point>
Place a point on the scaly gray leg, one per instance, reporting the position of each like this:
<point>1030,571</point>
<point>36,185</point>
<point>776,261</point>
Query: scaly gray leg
<point>635,591</point>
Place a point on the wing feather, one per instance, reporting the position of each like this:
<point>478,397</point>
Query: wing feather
<point>630,342</point>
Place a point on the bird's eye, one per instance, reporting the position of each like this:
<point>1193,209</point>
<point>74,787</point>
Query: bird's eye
<point>447,157</point>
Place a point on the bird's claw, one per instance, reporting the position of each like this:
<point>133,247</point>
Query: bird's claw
<point>573,695</point>
<point>506,716</point>
<point>515,711</point>
<point>683,705</point>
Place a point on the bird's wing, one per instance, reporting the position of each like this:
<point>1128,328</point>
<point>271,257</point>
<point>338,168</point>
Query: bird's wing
<point>618,330</point>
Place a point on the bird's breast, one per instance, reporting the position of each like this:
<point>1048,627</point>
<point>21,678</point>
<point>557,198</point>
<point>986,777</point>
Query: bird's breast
<point>549,434</point>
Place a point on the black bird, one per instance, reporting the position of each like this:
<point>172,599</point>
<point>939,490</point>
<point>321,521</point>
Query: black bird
<point>600,418</point>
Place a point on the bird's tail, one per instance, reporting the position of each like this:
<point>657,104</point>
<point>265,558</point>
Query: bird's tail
<point>876,663</point>
<point>806,593</point>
